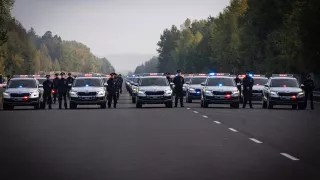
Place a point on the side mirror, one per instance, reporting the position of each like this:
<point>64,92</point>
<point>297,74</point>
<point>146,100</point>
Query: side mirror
<point>302,85</point>
<point>136,84</point>
<point>266,85</point>
<point>105,84</point>
<point>40,86</point>
<point>203,84</point>
<point>4,86</point>
<point>171,84</point>
<point>187,82</point>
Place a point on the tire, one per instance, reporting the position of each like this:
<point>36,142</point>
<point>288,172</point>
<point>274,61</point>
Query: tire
<point>301,106</point>
<point>235,105</point>
<point>269,104</point>
<point>201,103</point>
<point>138,105</point>
<point>7,107</point>
<point>103,105</point>
<point>205,104</point>
<point>169,105</point>
<point>73,106</point>
<point>295,106</point>
<point>38,106</point>
<point>189,100</point>
<point>133,100</point>
<point>264,104</point>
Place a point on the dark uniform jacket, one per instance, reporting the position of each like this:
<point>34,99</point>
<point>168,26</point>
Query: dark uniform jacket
<point>112,85</point>
<point>55,83</point>
<point>70,80</point>
<point>169,79</point>
<point>62,85</point>
<point>47,86</point>
<point>119,82</point>
<point>308,85</point>
<point>248,82</point>
<point>178,82</point>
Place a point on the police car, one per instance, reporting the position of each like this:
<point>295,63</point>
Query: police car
<point>105,78</point>
<point>134,87</point>
<point>219,88</point>
<point>193,88</point>
<point>283,89</point>
<point>187,78</point>
<point>88,89</point>
<point>154,89</point>
<point>259,82</point>
<point>22,90</point>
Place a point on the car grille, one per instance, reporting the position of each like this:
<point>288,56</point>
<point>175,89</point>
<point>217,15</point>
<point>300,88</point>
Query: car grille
<point>87,93</point>
<point>256,91</point>
<point>154,92</point>
<point>221,92</point>
<point>19,95</point>
<point>287,94</point>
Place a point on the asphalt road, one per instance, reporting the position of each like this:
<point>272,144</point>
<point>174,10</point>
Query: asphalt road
<point>154,142</point>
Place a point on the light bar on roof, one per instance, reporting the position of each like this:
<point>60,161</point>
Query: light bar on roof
<point>259,75</point>
<point>219,74</point>
<point>21,76</point>
<point>282,75</point>
<point>88,75</point>
<point>201,74</point>
<point>153,74</point>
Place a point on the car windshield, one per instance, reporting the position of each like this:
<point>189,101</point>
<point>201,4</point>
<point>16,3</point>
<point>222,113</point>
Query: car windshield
<point>41,80</point>
<point>154,82</point>
<point>82,82</point>
<point>186,79</point>
<point>136,80</point>
<point>105,79</point>
<point>198,80</point>
<point>284,83</point>
<point>260,81</point>
<point>22,83</point>
<point>220,82</point>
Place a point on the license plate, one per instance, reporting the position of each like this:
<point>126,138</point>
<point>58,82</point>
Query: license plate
<point>18,99</point>
<point>285,97</point>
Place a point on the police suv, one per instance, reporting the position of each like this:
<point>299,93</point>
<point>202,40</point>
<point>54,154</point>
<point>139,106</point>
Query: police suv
<point>186,78</point>
<point>22,90</point>
<point>283,89</point>
<point>154,89</point>
<point>88,90</point>
<point>193,88</point>
<point>219,88</point>
<point>259,82</point>
<point>134,87</point>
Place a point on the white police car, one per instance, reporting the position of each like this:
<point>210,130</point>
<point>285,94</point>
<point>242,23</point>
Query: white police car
<point>193,89</point>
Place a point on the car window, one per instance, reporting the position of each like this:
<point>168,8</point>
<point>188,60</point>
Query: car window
<point>22,83</point>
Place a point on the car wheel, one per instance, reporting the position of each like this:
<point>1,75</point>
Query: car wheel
<point>103,105</point>
<point>301,106</point>
<point>7,107</point>
<point>133,99</point>
<point>73,106</point>
<point>169,105</point>
<point>264,104</point>
<point>269,104</point>
<point>205,104</point>
<point>235,105</point>
<point>295,106</point>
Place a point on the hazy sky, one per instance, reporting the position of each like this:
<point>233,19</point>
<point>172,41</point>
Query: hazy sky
<point>112,26</point>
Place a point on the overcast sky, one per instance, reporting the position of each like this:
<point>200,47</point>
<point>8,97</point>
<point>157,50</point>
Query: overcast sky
<point>111,27</point>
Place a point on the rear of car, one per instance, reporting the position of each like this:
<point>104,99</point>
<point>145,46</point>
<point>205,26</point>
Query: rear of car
<point>193,90</point>
<point>88,91</point>
<point>220,88</point>
<point>283,89</point>
<point>154,90</point>
<point>22,92</point>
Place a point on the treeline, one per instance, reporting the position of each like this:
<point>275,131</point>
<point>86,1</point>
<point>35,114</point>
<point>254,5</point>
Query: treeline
<point>148,67</point>
<point>24,52</point>
<point>265,36</point>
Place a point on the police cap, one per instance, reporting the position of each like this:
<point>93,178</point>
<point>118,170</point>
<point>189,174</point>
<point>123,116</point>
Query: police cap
<point>178,71</point>
<point>62,73</point>
<point>47,76</point>
<point>57,74</point>
<point>69,73</point>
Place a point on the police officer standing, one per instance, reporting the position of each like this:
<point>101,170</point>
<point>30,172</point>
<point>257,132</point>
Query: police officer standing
<point>1,79</point>
<point>47,89</point>
<point>168,77</point>
<point>70,82</point>
<point>8,79</point>
<point>55,87</point>
<point>238,83</point>
<point>247,89</point>
<point>120,82</point>
<point>112,91</point>
<point>62,90</point>
<point>308,89</point>
<point>178,83</point>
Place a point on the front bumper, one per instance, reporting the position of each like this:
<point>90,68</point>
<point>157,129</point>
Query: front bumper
<point>20,102</point>
<point>154,99</point>
<point>221,100</point>
<point>286,101</point>
<point>88,100</point>
<point>196,96</point>
<point>256,96</point>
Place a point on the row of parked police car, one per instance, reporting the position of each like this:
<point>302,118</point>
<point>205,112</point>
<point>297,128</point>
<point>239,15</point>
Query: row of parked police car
<point>27,90</point>
<point>216,88</point>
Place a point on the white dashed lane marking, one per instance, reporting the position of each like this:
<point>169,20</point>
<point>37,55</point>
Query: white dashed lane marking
<point>188,108</point>
<point>204,116</point>
<point>217,122</point>
<point>289,156</point>
<point>195,112</point>
<point>255,140</point>
<point>231,129</point>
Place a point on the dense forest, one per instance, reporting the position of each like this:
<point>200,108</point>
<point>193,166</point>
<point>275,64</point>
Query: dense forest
<point>265,36</point>
<point>24,52</point>
<point>147,67</point>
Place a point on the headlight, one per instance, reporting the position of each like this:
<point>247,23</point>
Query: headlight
<point>301,94</point>
<point>235,93</point>
<point>6,95</point>
<point>192,90</point>
<point>168,92</point>
<point>141,93</point>
<point>73,93</point>
<point>34,94</point>
<point>274,94</point>
<point>101,93</point>
<point>208,93</point>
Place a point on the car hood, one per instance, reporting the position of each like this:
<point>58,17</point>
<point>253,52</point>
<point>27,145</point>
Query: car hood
<point>259,88</point>
<point>154,88</point>
<point>221,88</point>
<point>21,90</point>
<point>87,89</point>
<point>195,86</point>
<point>286,89</point>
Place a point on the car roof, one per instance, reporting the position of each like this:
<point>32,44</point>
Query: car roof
<point>283,78</point>
<point>199,76</point>
<point>153,77</point>
<point>227,77</point>
<point>23,79</point>
<point>88,78</point>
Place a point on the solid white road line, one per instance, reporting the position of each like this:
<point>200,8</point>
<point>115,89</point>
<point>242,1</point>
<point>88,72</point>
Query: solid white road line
<point>231,129</point>
<point>188,108</point>
<point>217,122</point>
<point>256,141</point>
<point>195,112</point>
<point>204,116</point>
<point>289,156</point>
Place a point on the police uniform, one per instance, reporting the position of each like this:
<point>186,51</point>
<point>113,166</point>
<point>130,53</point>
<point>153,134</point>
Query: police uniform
<point>70,82</point>
<point>55,87</point>
<point>238,83</point>
<point>120,83</point>
<point>1,79</point>
<point>62,90</point>
<point>47,89</point>
<point>178,82</point>
<point>308,89</point>
<point>112,88</point>
<point>247,90</point>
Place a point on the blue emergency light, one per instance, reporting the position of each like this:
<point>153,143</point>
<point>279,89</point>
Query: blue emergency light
<point>220,84</point>
<point>87,85</point>
<point>250,75</point>
<point>20,86</point>
<point>212,74</point>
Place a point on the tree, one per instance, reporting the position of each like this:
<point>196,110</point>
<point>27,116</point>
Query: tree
<point>5,15</point>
